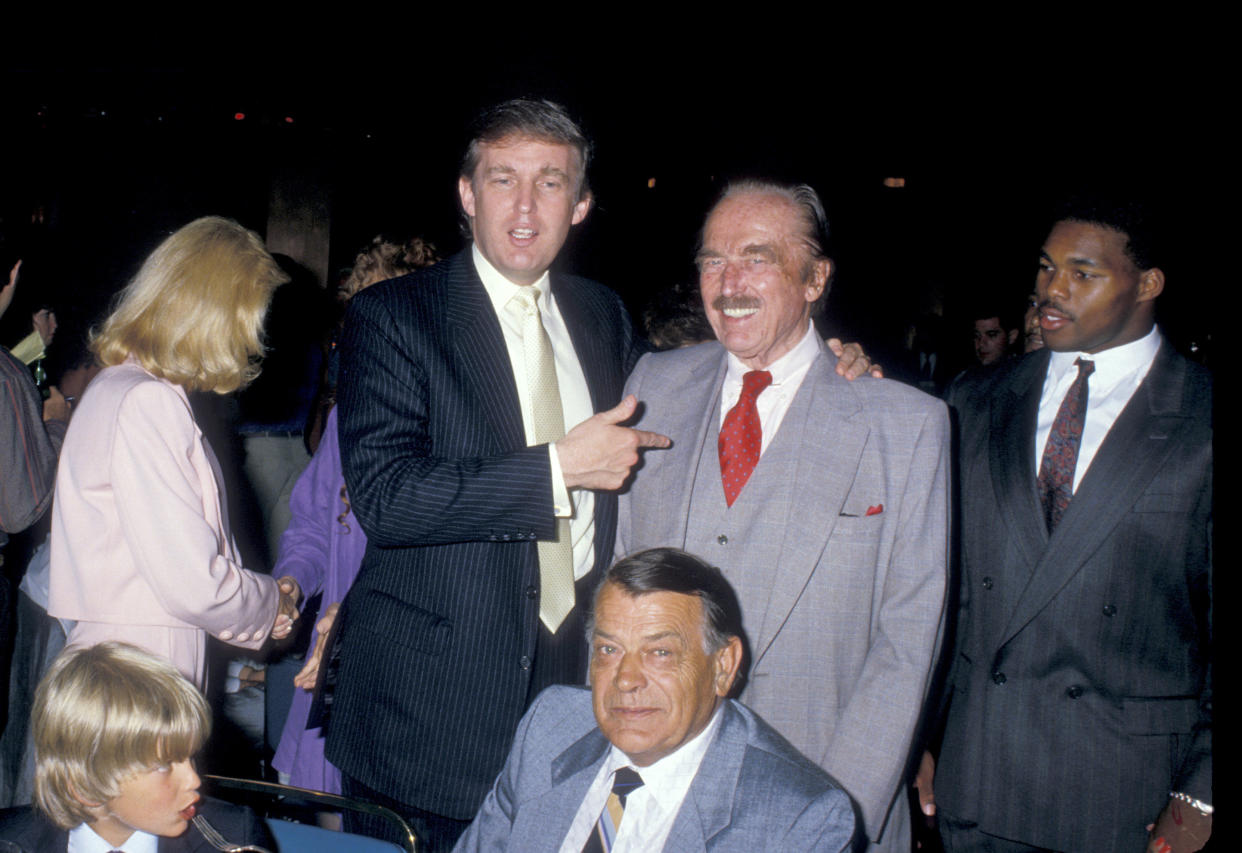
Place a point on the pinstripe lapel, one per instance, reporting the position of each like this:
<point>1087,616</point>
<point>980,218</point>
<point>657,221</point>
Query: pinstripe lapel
<point>589,343</point>
<point>479,346</point>
<point>1011,441</point>
<point>1134,450</point>
<point>822,421</point>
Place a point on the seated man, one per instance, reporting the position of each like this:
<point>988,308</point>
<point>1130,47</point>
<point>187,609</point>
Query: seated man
<point>114,730</point>
<point>656,757</point>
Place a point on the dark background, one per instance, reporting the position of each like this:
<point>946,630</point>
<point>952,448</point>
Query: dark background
<point>101,162</point>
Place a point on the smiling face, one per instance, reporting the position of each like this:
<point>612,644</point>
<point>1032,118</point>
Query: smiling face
<point>653,685</point>
<point>1092,296</point>
<point>156,801</point>
<point>758,277</point>
<point>522,200</point>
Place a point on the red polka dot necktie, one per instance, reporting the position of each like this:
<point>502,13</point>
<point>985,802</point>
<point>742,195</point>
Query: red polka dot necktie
<point>741,436</point>
<point>1056,468</point>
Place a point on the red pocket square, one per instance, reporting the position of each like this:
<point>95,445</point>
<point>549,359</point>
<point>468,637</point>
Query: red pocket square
<point>875,510</point>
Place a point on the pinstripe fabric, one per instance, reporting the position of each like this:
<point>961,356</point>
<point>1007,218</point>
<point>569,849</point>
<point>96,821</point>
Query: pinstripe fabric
<point>1082,684</point>
<point>439,630</point>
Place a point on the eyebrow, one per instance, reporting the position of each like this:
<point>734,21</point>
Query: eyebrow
<point>649,638</point>
<point>1077,262</point>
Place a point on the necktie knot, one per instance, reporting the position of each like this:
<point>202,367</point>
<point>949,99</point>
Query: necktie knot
<point>1085,368</point>
<point>625,782</point>
<point>754,381</point>
<point>527,298</point>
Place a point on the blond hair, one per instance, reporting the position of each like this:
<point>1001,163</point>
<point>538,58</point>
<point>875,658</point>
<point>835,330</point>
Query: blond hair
<point>103,714</point>
<point>382,259</point>
<point>194,313</point>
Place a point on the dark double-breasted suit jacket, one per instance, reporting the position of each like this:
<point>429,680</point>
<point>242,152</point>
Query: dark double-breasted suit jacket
<point>1081,687</point>
<point>439,629</point>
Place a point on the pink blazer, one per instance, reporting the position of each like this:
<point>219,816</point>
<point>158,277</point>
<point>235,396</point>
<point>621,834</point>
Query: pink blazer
<point>140,544</point>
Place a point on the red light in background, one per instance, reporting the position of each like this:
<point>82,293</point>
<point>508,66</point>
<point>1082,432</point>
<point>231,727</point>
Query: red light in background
<point>239,116</point>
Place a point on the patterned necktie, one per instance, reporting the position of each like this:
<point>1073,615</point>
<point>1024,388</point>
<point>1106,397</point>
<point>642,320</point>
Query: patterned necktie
<point>741,436</point>
<point>556,556</point>
<point>1056,469</point>
<point>624,782</point>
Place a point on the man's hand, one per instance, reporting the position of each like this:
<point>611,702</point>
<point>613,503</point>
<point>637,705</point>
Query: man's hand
<point>852,362</point>
<point>1181,828</point>
<point>599,454</point>
<point>309,674</point>
<point>55,407</point>
<point>287,612</point>
<point>923,784</point>
<point>6,292</point>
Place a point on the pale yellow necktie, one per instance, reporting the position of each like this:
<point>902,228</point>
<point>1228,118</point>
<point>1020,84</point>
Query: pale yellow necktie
<point>556,556</point>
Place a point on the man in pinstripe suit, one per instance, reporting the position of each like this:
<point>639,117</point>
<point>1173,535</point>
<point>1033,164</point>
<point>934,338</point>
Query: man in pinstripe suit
<point>484,534</point>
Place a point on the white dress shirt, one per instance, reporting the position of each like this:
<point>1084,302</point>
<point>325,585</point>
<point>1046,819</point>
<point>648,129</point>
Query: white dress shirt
<point>82,839</point>
<point>1118,373</point>
<point>577,504</point>
<point>649,810</point>
<point>788,371</point>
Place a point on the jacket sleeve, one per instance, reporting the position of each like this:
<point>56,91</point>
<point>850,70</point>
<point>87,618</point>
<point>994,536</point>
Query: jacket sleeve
<point>175,548</point>
<point>28,448</point>
<point>404,488</point>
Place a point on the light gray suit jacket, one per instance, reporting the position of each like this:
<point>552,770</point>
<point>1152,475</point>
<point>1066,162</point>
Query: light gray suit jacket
<point>753,791</point>
<point>840,569</point>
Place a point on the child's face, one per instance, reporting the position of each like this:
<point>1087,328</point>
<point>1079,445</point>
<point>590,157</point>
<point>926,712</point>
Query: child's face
<point>157,801</point>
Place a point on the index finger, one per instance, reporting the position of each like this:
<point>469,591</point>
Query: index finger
<point>652,439</point>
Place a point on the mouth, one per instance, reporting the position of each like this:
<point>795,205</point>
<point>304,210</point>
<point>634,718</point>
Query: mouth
<point>1051,319</point>
<point>189,811</point>
<point>736,308</point>
<point>523,235</point>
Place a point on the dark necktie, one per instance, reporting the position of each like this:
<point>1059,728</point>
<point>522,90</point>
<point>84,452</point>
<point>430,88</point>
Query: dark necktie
<point>1056,469</point>
<point>624,782</point>
<point>741,436</point>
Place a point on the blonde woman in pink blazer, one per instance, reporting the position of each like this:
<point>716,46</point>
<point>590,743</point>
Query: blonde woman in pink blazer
<point>141,549</point>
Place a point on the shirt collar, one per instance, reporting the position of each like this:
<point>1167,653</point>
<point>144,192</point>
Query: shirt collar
<point>670,776</point>
<point>499,289</point>
<point>1111,365</point>
<point>83,839</point>
<point>788,366</point>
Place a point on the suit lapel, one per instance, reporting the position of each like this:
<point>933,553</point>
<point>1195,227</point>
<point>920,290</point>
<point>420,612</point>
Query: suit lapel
<point>1011,441</point>
<point>572,773</point>
<point>1132,453</point>
<point>479,347</point>
<point>822,420</point>
<point>590,344</point>
<point>708,806</point>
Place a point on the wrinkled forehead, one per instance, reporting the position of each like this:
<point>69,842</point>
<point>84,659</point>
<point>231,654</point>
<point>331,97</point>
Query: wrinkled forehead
<point>558,155</point>
<point>747,219</point>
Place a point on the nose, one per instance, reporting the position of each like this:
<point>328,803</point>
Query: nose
<point>526,197</point>
<point>188,776</point>
<point>731,278</point>
<point>629,675</point>
<point>1056,287</point>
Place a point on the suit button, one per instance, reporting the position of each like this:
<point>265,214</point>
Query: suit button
<point>987,583</point>
<point>525,662</point>
<point>243,637</point>
<point>226,635</point>
<point>1074,692</point>
<point>531,592</point>
<point>1110,610</point>
<point>722,539</point>
<point>998,677</point>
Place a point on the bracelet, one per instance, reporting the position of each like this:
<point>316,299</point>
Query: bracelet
<point>1199,805</point>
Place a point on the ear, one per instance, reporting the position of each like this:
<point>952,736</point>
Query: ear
<point>465,189</point>
<point>582,208</point>
<point>728,660</point>
<point>821,269</point>
<point>1151,284</point>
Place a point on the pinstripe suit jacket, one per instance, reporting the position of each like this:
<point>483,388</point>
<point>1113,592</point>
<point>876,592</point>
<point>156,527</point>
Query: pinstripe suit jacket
<point>1081,685</point>
<point>841,570</point>
<point>439,630</point>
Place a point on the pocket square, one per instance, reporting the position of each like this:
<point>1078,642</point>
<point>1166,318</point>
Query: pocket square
<point>875,510</point>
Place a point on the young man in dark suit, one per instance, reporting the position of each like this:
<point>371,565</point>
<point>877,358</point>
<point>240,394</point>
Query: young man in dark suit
<point>480,402</point>
<point>1080,709</point>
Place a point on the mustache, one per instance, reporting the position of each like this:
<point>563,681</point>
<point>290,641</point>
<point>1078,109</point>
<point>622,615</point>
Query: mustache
<point>1048,303</point>
<point>723,303</point>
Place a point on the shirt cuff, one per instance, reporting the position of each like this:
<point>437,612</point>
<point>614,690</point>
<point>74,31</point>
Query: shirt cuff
<point>562,506</point>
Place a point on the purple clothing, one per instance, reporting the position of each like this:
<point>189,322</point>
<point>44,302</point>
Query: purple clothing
<point>321,549</point>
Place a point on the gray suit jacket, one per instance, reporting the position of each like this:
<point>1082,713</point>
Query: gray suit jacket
<point>753,791</point>
<point>841,572</point>
<point>1082,690</point>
